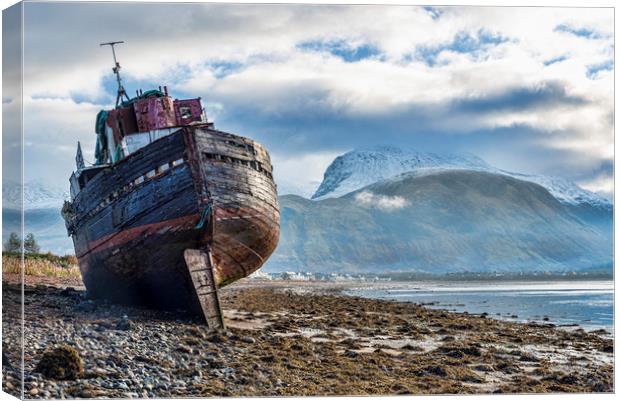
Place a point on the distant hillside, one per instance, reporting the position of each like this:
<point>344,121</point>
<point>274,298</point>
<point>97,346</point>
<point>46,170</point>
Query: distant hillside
<point>439,221</point>
<point>430,220</point>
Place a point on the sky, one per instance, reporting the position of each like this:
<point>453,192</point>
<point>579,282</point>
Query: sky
<point>527,89</point>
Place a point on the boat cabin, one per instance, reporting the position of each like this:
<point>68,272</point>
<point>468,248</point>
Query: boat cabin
<point>134,124</point>
<point>141,120</point>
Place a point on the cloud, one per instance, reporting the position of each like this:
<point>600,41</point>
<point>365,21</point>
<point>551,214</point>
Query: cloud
<point>544,94</point>
<point>382,202</point>
<point>311,81</point>
<point>602,185</point>
<point>52,128</point>
<point>300,174</point>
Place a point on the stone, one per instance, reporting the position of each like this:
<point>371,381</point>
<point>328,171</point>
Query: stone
<point>70,292</point>
<point>5,360</point>
<point>184,349</point>
<point>87,306</point>
<point>216,338</point>
<point>350,354</point>
<point>123,324</point>
<point>248,340</point>
<point>123,386</point>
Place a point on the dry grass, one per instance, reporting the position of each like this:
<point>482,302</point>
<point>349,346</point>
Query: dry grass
<point>47,265</point>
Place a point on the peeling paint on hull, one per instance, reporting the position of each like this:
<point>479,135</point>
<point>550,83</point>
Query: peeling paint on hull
<point>130,239</point>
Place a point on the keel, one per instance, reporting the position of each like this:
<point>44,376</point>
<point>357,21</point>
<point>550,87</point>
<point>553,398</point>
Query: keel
<point>200,266</point>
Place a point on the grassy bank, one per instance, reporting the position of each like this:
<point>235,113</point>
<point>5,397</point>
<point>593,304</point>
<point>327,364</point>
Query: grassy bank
<point>41,264</point>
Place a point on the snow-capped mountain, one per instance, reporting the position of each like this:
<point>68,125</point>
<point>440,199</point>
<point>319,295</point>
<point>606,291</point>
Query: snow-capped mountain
<point>359,168</point>
<point>36,195</point>
<point>441,221</point>
<point>565,191</point>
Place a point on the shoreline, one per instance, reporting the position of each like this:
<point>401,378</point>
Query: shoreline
<point>439,287</point>
<point>296,339</point>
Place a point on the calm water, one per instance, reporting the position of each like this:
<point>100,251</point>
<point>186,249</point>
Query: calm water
<point>586,303</point>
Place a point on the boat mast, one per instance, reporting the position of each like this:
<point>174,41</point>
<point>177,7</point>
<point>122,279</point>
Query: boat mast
<point>117,67</point>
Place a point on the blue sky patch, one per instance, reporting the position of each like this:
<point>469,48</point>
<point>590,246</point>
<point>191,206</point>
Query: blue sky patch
<point>555,60</point>
<point>434,12</point>
<point>104,101</point>
<point>581,32</point>
<point>594,69</point>
<point>465,43</point>
<point>342,49</point>
<point>222,69</point>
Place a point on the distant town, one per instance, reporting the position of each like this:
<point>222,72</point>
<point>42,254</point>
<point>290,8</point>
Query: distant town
<point>308,276</point>
<point>598,274</point>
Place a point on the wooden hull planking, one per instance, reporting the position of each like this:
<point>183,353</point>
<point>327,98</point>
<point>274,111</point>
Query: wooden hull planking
<point>195,188</point>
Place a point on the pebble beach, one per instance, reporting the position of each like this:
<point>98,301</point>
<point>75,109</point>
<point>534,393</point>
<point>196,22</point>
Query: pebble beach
<point>288,339</point>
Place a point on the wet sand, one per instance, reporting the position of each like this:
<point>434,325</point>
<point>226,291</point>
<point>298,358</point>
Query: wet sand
<point>293,339</point>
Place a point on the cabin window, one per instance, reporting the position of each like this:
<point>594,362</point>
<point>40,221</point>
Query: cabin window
<point>233,160</point>
<point>163,168</point>
<point>185,112</point>
<point>139,180</point>
<point>177,162</point>
<point>150,174</point>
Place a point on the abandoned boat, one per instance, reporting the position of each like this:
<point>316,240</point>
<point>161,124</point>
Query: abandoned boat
<point>172,209</point>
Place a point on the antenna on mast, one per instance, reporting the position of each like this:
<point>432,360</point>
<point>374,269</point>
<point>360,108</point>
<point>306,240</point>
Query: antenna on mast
<point>117,67</point>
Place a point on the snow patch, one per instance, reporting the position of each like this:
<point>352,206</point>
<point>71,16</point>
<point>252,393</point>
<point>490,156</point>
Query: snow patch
<point>359,168</point>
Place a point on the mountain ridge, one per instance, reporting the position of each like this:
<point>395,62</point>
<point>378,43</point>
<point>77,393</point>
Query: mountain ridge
<point>359,168</point>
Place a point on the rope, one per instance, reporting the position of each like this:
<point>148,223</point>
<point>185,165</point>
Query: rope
<point>206,214</point>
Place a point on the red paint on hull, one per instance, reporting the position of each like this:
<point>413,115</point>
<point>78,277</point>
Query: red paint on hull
<point>122,237</point>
